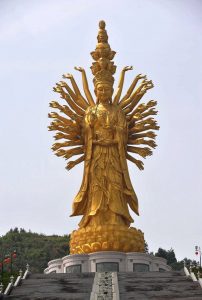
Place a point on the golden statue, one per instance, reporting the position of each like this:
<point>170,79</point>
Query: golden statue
<point>104,132</point>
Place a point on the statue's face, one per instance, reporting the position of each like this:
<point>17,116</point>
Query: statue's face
<point>103,63</point>
<point>102,38</point>
<point>104,92</point>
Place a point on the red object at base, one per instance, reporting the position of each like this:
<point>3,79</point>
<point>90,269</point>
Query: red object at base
<point>7,260</point>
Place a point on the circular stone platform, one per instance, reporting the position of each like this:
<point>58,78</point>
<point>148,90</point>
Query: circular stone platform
<point>107,261</point>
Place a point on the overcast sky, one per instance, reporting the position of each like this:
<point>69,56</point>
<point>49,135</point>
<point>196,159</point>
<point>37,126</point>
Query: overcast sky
<point>42,39</point>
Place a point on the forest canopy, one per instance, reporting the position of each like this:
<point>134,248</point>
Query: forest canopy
<point>32,248</point>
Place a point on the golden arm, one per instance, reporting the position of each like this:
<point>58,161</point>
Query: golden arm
<point>65,96</point>
<point>120,85</point>
<point>73,163</point>
<point>138,163</point>
<point>85,86</point>
<point>80,99</point>
<point>137,96</point>
<point>131,88</point>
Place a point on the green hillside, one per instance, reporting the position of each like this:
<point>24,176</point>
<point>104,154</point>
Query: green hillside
<point>32,248</point>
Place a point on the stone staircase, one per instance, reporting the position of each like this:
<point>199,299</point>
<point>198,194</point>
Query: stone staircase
<point>158,286</point>
<point>131,286</point>
<point>54,286</point>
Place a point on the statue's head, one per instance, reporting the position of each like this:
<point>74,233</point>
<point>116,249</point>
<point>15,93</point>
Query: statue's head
<point>102,34</point>
<point>103,63</point>
<point>103,92</point>
<point>102,37</point>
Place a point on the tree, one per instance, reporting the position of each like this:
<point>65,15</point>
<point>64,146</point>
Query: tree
<point>169,255</point>
<point>146,247</point>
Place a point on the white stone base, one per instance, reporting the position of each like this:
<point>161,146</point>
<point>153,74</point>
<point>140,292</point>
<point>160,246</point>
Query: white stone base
<point>107,261</point>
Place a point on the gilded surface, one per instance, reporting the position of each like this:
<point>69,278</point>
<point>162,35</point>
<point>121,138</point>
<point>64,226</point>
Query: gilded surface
<point>104,132</point>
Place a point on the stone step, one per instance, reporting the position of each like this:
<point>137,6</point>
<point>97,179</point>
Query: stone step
<point>54,286</point>
<point>63,275</point>
<point>132,296</point>
<point>132,286</point>
<point>83,283</point>
<point>151,274</point>
<point>157,286</point>
<point>153,279</point>
<point>51,296</point>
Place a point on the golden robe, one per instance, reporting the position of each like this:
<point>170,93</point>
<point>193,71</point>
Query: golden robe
<point>106,189</point>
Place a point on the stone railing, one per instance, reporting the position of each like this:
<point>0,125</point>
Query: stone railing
<point>195,276</point>
<point>13,284</point>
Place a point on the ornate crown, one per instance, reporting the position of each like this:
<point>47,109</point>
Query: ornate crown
<point>103,68</point>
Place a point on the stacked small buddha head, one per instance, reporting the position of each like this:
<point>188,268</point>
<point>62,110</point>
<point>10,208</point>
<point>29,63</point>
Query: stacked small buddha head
<point>103,68</point>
